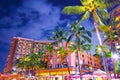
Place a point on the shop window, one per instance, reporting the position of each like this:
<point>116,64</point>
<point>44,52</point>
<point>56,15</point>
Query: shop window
<point>65,65</point>
<point>57,66</point>
<point>50,66</point>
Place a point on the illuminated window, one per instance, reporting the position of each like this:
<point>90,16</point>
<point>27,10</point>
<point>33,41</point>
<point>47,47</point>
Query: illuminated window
<point>57,66</point>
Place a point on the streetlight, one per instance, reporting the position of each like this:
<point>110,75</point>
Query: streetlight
<point>115,56</point>
<point>81,62</point>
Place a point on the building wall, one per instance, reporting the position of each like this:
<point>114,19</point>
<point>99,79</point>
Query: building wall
<point>11,55</point>
<point>87,59</point>
<point>22,46</point>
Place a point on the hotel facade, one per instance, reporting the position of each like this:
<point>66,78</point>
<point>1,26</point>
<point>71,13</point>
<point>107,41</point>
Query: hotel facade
<point>22,46</point>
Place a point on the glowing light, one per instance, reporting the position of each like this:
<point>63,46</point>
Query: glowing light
<point>115,56</point>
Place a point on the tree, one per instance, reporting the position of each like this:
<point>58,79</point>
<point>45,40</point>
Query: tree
<point>63,53</point>
<point>31,62</point>
<point>23,64</point>
<point>112,33</point>
<point>34,62</point>
<point>81,36</point>
<point>48,50</point>
<point>98,51</point>
<point>59,35</point>
<point>95,7</point>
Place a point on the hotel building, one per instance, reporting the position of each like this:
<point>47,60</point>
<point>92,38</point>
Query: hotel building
<point>22,46</point>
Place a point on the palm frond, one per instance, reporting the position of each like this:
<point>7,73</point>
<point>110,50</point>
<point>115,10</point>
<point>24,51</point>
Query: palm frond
<point>85,16</point>
<point>86,38</point>
<point>74,9</point>
<point>72,47</point>
<point>103,13</point>
<point>88,33</point>
<point>86,47</point>
<point>99,4</point>
<point>69,38</point>
<point>86,2</point>
<point>80,28</point>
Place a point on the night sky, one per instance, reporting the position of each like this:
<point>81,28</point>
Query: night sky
<point>34,19</point>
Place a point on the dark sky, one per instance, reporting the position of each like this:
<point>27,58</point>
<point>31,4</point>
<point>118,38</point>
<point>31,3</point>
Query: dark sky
<point>34,19</point>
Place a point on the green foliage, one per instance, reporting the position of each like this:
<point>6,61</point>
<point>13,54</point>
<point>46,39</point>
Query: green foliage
<point>72,47</point>
<point>86,47</point>
<point>96,7</point>
<point>117,67</point>
<point>48,48</point>
<point>108,54</point>
<point>102,13</point>
<point>99,4</point>
<point>85,16</point>
<point>78,32</point>
<point>86,2</point>
<point>104,48</point>
<point>112,3</point>
<point>31,61</point>
<point>110,36</point>
<point>81,37</point>
<point>74,9</point>
<point>59,35</point>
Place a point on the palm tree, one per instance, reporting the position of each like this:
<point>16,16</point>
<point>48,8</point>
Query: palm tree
<point>63,53</point>
<point>40,56</point>
<point>33,63</point>
<point>83,47</point>
<point>39,64</point>
<point>112,32</point>
<point>95,7</point>
<point>59,35</point>
<point>23,63</point>
<point>48,50</point>
<point>81,35</point>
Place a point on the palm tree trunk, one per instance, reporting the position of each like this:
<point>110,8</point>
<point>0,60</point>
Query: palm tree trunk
<point>78,58</point>
<point>101,44</point>
<point>68,67</point>
<point>62,71</point>
<point>49,63</point>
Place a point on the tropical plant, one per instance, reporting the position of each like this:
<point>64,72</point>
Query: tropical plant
<point>98,50</point>
<point>59,35</point>
<point>48,50</point>
<point>98,10</point>
<point>63,53</point>
<point>31,62</point>
<point>22,63</point>
<point>81,36</point>
<point>40,56</point>
<point>111,3</point>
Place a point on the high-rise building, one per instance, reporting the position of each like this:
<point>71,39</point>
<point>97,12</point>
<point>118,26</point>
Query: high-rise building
<point>22,46</point>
